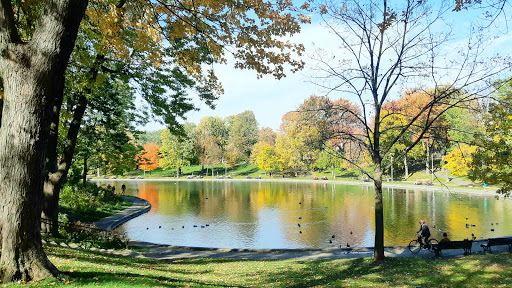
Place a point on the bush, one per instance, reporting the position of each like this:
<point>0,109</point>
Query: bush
<point>80,198</point>
<point>89,202</point>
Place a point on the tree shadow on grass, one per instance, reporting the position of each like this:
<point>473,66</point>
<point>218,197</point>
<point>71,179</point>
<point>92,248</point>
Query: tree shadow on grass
<point>135,280</point>
<point>398,272</point>
<point>474,271</point>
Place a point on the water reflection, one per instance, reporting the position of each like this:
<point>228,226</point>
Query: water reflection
<point>302,215</point>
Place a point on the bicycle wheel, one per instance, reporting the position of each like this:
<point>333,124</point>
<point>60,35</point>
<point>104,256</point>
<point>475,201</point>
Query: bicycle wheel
<point>433,243</point>
<point>414,246</point>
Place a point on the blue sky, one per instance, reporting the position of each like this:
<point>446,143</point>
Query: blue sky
<point>270,99</point>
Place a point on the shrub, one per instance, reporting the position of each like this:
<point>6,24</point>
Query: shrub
<point>80,198</point>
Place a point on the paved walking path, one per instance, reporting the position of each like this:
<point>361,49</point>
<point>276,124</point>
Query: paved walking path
<point>166,252</point>
<point>139,207</point>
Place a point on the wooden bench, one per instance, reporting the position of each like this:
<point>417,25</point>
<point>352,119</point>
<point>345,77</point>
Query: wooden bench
<point>495,242</point>
<point>466,245</point>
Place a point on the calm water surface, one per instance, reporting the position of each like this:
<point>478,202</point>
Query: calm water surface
<point>259,214</point>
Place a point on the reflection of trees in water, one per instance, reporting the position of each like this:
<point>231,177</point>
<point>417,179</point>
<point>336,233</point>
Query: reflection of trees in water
<point>443,212</point>
<point>247,208</point>
<point>149,191</point>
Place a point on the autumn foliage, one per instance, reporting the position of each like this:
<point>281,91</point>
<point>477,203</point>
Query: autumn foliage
<point>149,158</point>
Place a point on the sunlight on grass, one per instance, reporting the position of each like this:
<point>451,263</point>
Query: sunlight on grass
<point>92,269</point>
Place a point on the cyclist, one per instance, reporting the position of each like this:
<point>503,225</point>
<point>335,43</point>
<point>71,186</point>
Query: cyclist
<point>423,233</point>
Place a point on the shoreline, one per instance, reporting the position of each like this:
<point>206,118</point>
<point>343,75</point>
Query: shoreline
<point>437,187</point>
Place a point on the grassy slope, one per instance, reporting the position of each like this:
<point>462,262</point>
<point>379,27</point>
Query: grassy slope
<point>90,269</point>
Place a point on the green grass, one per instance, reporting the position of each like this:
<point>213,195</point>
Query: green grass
<point>106,209</point>
<point>91,269</point>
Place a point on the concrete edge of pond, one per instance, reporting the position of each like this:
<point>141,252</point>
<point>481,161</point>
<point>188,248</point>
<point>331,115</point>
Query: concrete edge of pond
<point>139,207</point>
<point>172,253</point>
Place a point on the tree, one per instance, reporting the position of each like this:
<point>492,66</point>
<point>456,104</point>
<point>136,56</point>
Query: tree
<point>383,46</point>
<point>34,52</point>
<point>177,151</point>
<point>150,137</point>
<point>459,160</point>
<point>211,137</point>
<point>243,132</point>
<point>35,46</point>
<point>267,135</point>
<point>101,134</point>
<point>264,156</point>
<point>158,56</point>
<point>491,160</point>
<point>326,158</point>
<point>149,158</point>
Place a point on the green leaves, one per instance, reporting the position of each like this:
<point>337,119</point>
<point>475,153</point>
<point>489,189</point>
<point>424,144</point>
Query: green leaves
<point>492,161</point>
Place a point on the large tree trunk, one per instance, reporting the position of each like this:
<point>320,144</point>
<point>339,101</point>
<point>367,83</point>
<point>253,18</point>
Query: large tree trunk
<point>56,174</point>
<point>50,212</point>
<point>22,144</point>
<point>31,73</point>
<point>378,253</point>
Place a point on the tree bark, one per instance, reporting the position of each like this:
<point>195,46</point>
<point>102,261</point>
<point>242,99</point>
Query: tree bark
<point>84,176</point>
<point>31,74</point>
<point>406,168</point>
<point>378,253</point>
<point>56,174</point>
<point>22,142</point>
<point>50,213</point>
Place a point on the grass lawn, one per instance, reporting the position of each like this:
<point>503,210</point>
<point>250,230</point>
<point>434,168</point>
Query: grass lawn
<point>104,210</point>
<point>91,269</point>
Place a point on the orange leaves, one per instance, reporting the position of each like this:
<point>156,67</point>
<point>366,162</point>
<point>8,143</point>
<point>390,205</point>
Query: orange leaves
<point>305,19</point>
<point>323,9</point>
<point>149,158</point>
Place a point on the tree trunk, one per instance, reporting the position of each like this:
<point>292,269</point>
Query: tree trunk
<point>51,198</point>
<point>378,253</point>
<point>31,74</point>
<point>1,108</point>
<point>406,168</point>
<point>84,176</point>
<point>426,161</point>
<point>22,142</point>
<point>57,174</point>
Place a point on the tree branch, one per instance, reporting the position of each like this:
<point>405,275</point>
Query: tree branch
<point>8,31</point>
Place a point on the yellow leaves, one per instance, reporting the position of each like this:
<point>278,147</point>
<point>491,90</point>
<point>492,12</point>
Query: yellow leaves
<point>114,25</point>
<point>459,159</point>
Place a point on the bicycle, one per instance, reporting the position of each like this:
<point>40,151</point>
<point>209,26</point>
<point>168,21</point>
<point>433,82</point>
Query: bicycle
<point>415,245</point>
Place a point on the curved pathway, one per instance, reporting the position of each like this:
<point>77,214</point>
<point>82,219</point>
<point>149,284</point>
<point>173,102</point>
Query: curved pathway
<point>166,252</point>
<point>139,207</point>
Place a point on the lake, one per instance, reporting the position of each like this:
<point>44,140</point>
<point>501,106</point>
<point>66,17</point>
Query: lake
<point>276,215</point>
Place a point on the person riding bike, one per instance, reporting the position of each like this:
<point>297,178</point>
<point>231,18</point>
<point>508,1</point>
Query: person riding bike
<point>423,233</point>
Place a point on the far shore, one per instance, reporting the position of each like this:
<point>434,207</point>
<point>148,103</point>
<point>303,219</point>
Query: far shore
<point>436,187</point>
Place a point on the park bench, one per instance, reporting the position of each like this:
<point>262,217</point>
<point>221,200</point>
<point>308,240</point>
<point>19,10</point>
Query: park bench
<point>465,244</point>
<point>495,242</point>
